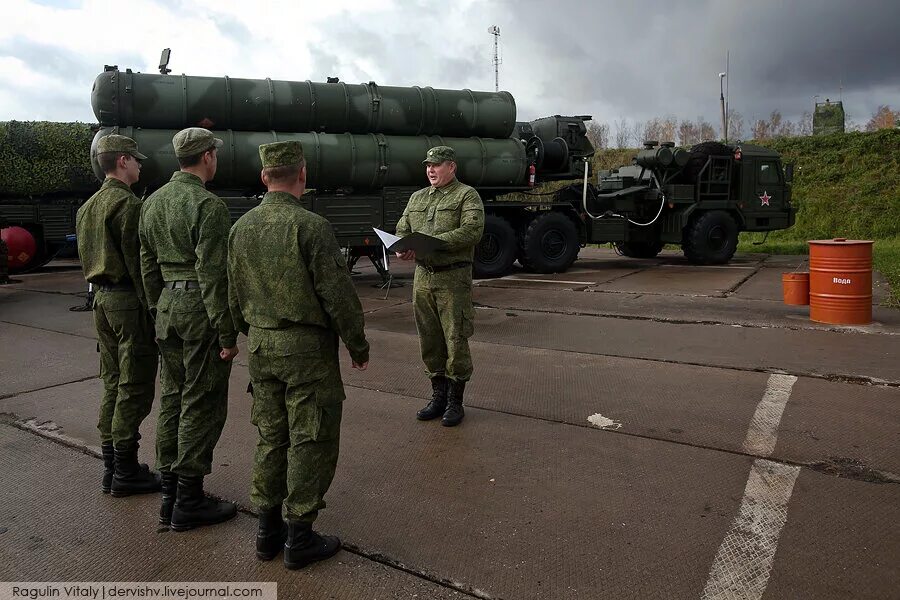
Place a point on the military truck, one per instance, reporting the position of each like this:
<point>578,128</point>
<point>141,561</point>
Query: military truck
<point>364,145</point>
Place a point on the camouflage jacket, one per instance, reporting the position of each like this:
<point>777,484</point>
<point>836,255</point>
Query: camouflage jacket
<point>288,279</point>
<point>107,231</point>
<point>184,232</point>
<point>453,213</point>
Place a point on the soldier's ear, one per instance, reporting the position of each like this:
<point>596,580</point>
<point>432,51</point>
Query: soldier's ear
<point>302,176</point>
<point>264,177</point>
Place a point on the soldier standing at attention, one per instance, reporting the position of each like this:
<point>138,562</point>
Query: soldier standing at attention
<point>107,231</point>
<point>291,294</point>
<point>442,286</point>
<point>184,232</point>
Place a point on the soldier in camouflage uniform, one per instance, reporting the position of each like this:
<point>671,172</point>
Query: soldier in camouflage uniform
<point>184,232</point>
<point>107,232</point>
<point>442,286</point>
<point>291,294</point>
<point>4,256</point>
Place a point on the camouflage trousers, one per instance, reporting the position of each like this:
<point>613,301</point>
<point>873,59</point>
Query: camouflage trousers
<point>128,361</point>
<point>445,319</point>
<point>193,384</point>
<point>297,406</point>
<point>4,262</point>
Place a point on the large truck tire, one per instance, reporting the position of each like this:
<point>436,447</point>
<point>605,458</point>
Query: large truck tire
<point>550,244</point>
<point>711,238</point>
<point>639,249</point>
<point>496,252</point>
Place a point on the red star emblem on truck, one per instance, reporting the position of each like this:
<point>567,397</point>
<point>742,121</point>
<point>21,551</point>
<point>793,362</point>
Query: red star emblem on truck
<point>764,199</point>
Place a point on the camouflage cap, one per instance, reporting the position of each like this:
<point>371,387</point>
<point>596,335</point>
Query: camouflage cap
<point>439,154</point>
<point>119,143</point>
<point>194,140</point>
<point>281,154</point>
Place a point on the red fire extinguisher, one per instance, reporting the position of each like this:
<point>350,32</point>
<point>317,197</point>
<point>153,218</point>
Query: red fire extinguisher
<point>531,171</point>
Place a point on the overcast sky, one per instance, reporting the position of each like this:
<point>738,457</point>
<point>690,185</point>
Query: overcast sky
<point>614,60</point>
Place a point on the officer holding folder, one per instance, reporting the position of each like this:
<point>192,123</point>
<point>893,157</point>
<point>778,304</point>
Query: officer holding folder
<point>451,212</point>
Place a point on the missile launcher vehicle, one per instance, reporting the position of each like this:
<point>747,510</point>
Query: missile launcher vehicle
<point>364,146</point>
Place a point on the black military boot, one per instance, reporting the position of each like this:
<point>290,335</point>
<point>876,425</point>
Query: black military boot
<point>271,535</point>
<point>169,485</point>
<point>194,509</point>
<point>304,546</point>
<point>454,414</point>
<point>109,466</point>
<point>438,403</point>
<point>132,477</point>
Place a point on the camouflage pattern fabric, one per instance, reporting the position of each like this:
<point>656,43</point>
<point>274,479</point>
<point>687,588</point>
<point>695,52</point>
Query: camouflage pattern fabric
<point>128,362</point>
<point>4,262</point>
<point>193,384</point>
<point>297,408</point>
<point>442,301</point>
<point>453,213</point>
<point>107,232</point>
<point>4,256</point>
<point>184,231</point>
<point>291,293</point>
<point>280,154</point>
<point>445,320</point>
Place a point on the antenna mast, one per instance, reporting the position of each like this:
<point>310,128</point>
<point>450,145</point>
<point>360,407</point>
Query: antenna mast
<point>495,31</point>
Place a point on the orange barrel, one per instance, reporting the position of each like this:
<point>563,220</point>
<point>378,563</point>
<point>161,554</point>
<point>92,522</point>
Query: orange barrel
<point>796,288</point>
<point>840,282</point>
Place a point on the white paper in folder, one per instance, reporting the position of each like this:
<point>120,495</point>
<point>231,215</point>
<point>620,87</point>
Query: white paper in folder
<point>419,242</point>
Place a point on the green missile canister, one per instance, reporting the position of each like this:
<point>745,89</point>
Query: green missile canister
<point>365,162</point>
<point>156,101</point>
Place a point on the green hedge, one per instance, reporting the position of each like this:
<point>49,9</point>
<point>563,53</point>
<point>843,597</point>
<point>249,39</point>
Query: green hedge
<point>42,157</point>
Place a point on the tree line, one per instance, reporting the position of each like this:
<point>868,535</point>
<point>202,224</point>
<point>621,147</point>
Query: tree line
<point>623,133</point>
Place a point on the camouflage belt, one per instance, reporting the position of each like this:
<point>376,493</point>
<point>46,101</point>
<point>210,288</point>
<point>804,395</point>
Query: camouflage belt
<point>183,285</point>
<point>442,268</point>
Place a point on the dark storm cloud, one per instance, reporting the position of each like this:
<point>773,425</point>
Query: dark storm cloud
<point>662,58</point>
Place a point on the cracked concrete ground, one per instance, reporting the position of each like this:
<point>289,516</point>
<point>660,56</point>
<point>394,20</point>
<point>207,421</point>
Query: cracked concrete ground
<point>604,452</point>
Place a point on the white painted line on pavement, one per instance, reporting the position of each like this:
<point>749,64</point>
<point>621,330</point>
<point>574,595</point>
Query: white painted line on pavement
<point>763,431</point>
<point>743,563</point>
<point>744,560</point>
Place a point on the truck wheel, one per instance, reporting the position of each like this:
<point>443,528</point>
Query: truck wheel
<point>711,238</point>
<point>640,249</point>
<point>550,244</point>
<point>496,252</point>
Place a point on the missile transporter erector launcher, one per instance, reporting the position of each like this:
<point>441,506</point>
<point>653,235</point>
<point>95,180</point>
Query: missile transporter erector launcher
<point>364,146</point>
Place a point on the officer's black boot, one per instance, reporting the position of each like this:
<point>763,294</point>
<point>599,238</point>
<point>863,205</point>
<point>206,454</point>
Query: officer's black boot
<point>454,414</point>
<point>271,535</point>
<point>109,466</point>
<point>438,403</point>
<point>194,509</point>
<point>304,546</point>
<point>169,484</point>
<point>132,477</point>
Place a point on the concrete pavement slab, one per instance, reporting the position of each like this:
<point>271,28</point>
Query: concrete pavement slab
<point>675,309</point>
<point>841,540</point>
<point>52,312</point>
<point>677,280</point>
<point>850,428</point>
<point>58,281</point>
<point>63,529</point>
<point>32,359</point>
<point>805,352</point>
